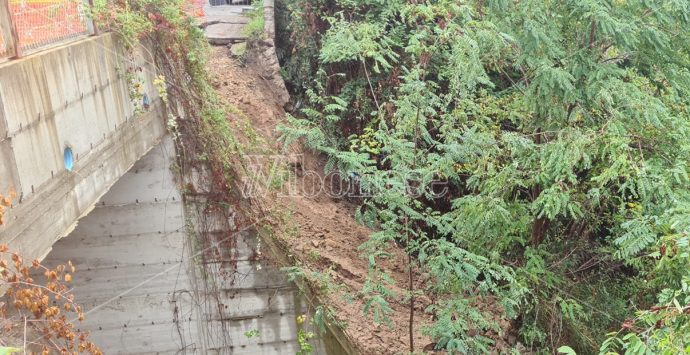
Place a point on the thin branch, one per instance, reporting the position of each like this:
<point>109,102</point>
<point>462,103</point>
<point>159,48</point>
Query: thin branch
<point>65,294</point>
<point>24,347</point>
<point>371,87</point>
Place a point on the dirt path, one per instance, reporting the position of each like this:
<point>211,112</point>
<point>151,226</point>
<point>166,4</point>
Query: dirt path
<point>319,230</point>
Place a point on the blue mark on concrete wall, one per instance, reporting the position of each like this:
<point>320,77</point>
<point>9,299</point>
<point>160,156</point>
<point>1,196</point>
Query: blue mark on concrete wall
<point>69,159</point>
<point>146,101</point>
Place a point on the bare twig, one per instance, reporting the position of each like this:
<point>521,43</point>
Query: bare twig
<point>371,87</point>
<point>24,346</point>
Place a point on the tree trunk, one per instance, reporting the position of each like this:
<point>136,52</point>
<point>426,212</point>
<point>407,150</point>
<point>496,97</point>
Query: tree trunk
<point>539,227</point>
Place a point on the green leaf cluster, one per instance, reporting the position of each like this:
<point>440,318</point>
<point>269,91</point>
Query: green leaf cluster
<point>559,132</point>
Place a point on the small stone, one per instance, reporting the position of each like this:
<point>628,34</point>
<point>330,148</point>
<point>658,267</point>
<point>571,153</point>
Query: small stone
<point>315,243</point>
<point>238,50</point>
<point>329,248</point>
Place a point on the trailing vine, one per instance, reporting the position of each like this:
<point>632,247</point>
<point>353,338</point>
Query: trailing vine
<point>170,38</point>
<point>208,153</point>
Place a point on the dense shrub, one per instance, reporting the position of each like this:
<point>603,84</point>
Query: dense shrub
<point>560,131</point>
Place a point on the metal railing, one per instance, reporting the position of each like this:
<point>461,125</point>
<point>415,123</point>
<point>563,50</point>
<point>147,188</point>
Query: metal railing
<point>29,25</point>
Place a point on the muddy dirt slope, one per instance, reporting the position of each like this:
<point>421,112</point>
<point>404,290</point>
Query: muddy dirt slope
<point>318,229</point>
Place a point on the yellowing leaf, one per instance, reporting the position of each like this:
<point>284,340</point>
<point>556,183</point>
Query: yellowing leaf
<point>566,350</point>
<point>7,351</point>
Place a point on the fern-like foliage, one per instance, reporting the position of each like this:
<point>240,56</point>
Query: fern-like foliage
<point>558,133</point>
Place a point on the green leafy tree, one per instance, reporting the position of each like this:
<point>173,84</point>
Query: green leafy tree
<point>560,130</point>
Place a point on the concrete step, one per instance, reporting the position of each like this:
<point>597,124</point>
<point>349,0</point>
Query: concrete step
<point>225,24</point>
<point>225,33</point>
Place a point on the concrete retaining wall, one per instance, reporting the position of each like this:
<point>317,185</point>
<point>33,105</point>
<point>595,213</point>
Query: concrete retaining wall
<point>71,96</point>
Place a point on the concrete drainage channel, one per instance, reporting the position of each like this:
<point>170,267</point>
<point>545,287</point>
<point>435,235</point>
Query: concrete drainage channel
<point>155,277</point>
<point>159,273</point>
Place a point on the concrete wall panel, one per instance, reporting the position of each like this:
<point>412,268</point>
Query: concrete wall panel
<point>37,154</point>
<point>146,289</point>
<point>3,120</point>
<point>25,98</point>
<point>74,95</point>
<point>8,168</point>
<point>59,81</point>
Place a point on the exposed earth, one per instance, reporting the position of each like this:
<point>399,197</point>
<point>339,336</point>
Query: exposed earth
<point>317,229</point>
<point>326,236</point>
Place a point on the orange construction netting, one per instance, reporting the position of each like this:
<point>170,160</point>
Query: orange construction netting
<point>41,23</point>
<point>195,8</point>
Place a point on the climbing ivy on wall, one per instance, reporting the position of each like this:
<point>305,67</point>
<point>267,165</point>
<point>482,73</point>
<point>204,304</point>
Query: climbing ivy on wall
<point>558,131</point>
<point>163,33</point>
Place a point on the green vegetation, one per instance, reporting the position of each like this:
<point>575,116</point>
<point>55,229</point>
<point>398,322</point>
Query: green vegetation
<point>303,337</point>
<point>6,351</point>
<point>255,26</point>
<point>177,50</point>
<point>529,153</point>
<point>254,333</point>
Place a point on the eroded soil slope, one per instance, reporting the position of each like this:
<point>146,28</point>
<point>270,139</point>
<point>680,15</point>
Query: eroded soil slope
<point>319,230</point>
